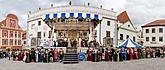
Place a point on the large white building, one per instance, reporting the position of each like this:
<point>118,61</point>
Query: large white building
<point>126,28</point>
<point>154,34</point>
<point>96,24</point>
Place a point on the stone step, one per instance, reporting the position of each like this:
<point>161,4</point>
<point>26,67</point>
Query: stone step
<point>70,62</point>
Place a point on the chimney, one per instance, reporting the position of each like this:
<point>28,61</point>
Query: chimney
<point>70,3</point>
<point>101,6</point>
<point>30,12</point>
<point>39,8</point>
<point>111,9</point>
<point>51,5</point>
<point>88,4</point>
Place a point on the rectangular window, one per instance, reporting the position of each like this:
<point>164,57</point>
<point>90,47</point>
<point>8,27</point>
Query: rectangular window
<point>15,42</point>
<point>108,23</point>
<point>11,34</point>
<point>153,38</point>
<point>121,36</point>
<point>5,34</point>
<point>107,33</point>
<point>24,42</point>
<point>44,34</point>
<point>160,30</point>
<point>19,35</point>
<point>147,39</point>
<point>19,42</point>
<point>11,41</point>
<point>133,38</point>
<point>33,25</point>
<point>147,30</point>
<point>39,23</point>
<point>153,30</point>
<point>15,34</point>
<point>39,35</point>
<point>127,37</point>
<point>5,42</point>
<point>160,39</point>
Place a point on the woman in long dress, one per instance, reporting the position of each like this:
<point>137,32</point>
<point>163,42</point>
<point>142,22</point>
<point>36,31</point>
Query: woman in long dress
<point>55,55</point>
<point>89,52</point>
<point>107,58</point>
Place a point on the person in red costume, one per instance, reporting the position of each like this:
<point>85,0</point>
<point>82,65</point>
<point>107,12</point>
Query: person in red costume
<point>19,56</point>
<point>131,53</point>
<point>89,52</point>
<point>107,55</point>
<point>55,55</point>
<point>22,55</point>
<point>136,54</point>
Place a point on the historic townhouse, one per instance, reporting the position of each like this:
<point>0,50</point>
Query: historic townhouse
<point>10,33</point>
<point>154,33</point>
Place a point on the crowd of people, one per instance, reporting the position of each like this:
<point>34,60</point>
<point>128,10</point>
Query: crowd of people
<point>123,54</point>
<point>92,54</point>
<point>35,55</point>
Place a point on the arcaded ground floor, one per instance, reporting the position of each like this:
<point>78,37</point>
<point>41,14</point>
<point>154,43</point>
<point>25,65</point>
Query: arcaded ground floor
<point>142,64</point>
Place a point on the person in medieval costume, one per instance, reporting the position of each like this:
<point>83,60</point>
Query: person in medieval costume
<point>32,55</point>
<point>22,55</point>
<point>112,53</point>
<point>89,52</point>
<point>27,57</point>
<point>14,55</point>
<point>55,55</point>
<point>131,53</point>
<point>19,56</point>
<point>95,55</point>
<point>135,54</point>
<point>46,58</point>
<point>127,54</point>
<point>37,56</point>
<point>107,55</point>
<point>42,56</point>
<point>122,54</point>
<point>51,55</point>
<point>61,54</point>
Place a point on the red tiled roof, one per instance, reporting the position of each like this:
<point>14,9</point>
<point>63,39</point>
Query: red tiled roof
<point>155,23</point>
<point>123,17</point>
<point>12,16</point>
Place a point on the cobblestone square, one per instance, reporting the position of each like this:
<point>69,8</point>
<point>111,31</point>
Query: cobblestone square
<point>142,64</point>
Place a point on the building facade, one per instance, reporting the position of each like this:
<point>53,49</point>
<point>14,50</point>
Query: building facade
<point>126,28</point>
<point>10,33</point>
<point>24,39</point>
<point>154,34</point>
<point>71,24</point>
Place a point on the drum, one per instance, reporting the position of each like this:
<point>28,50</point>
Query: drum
<point>82,56</point>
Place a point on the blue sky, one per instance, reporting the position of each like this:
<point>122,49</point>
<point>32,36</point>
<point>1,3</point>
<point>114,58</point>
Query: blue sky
<point>140,11</point>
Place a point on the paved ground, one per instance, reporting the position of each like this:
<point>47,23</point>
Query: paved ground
<point>143,64</point>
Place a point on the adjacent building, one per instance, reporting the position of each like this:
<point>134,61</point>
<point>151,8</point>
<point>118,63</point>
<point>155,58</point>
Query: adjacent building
<point>126,28</point>
<point>10,33</point>
<point>24,39</point>
<point>154,33</point>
